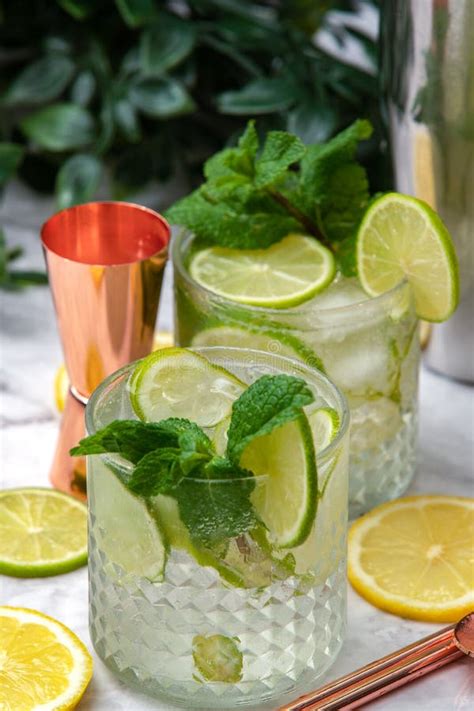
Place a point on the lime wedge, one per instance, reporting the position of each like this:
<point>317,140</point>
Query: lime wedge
<point>287,273</point>
<point>403,238</point>
<point>42,532</point>
<point>324,423</point>
<point>218,658</point>
<point>260,339</point>
<point>175,382</point>
<point>125,528</point>
<point>287,500</point>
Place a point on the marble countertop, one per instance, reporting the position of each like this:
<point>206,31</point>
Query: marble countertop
<point>29,355</point>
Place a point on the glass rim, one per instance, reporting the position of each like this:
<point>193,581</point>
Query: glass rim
<point>313,373</point>
<point>49,226</point>
<point>176,258</point>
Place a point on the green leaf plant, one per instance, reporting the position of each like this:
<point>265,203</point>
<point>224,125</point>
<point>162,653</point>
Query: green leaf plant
<point>119,93</point>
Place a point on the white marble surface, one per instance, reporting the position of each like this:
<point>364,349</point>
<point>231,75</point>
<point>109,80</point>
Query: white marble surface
<point>29,356</point>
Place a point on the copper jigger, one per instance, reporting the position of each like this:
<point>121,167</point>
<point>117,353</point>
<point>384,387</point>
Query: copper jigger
<point>105,264</point>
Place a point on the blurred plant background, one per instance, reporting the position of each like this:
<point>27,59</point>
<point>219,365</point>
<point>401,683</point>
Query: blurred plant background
<point>120,93</point>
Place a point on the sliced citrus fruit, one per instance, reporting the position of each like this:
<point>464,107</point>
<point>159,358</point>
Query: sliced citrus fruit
<point>260,339</point>
<point>42,532</point>
<point>324,423</point>
<point>401,237</point>
<point>218,658</point>
<point>287,273</point>
<point>175,382</point>
<point>415,557</point>
<point>43,665</point>
<point>61,387</point>
<point>126,529</point>
<point>287,499</point>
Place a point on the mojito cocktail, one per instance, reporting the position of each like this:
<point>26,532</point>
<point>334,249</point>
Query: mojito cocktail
<point>286,250</point>
<point>368,346</point>
<point>217,487</point>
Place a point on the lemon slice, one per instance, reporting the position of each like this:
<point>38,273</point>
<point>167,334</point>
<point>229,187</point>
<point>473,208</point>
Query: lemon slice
<point>403,238</point>
<point>415,557</point>
<point>287,273</point>
<point>43,665</point>
<point>286,501</point>
<point>175,382</point>
<point>42,532</point>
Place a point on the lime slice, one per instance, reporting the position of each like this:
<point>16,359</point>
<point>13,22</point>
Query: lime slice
<point>42,532</point>
<point>218,658</point>
<point>287,500</point>
<point>175,382</point>
<point>166,510</point>
<point>124,527</point>
<point>287,273</point>
<point>324,423</point>
<point>260,339</point>
<point>403,238</point>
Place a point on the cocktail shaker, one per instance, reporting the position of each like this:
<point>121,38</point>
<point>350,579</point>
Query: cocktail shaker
<point>427,74</point>
<point>105,265</point>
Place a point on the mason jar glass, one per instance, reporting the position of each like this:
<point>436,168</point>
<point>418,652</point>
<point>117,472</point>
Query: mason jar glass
<point>369,347</point>
<point>238,624</point>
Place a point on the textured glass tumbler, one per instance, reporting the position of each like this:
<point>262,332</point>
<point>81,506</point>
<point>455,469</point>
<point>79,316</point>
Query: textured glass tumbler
<point>370,349</point>
<point>267,621</point>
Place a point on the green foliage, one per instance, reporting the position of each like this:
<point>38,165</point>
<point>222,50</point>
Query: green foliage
<point>78,180</point>
<point>149,86</point>
<point>13,280</point>
<point>253,198</point>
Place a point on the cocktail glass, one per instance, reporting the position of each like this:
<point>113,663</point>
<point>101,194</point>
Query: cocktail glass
<point>236,624</point>
<point>368,346</point>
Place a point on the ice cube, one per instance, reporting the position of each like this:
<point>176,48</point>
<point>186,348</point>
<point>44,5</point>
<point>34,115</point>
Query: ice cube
<point>362,363</point>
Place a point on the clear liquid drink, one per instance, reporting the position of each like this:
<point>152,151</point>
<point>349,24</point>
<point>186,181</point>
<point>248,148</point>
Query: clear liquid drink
<point>224,625</point>
<point>368,346</point>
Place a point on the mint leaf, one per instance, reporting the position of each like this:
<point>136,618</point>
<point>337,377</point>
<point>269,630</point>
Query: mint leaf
<point>252,199</point>
<point>158,472</point>
<point>281,150</point>
<point>214,504</point>
<point>238,160</point>
<point>268,403</point>
<point>129,438</point>
<point>246,224</point>
<point>232,208</point>
<point>133,439</point>
<point>322,160</point>
<point>333,187</point>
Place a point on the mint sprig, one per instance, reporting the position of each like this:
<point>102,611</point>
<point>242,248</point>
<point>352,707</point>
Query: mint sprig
<point>175,457</point>
<point>253,196</point>
<point>269,402</point>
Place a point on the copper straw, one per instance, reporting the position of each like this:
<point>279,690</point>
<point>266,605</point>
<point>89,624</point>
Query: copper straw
<point>384,675</point>
<point>105,264</point>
